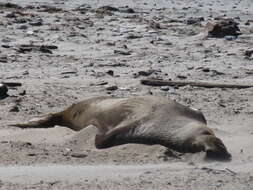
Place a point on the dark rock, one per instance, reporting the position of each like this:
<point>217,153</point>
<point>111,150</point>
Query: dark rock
<point>146,73</point>
<point>3,90</point>
<point>248,53</point>
<point>222,27</point>
<point>110,72</point>
<point>133,36</point>
<point>206,70</point>
<point>6,46</point>
<point>112,88</point>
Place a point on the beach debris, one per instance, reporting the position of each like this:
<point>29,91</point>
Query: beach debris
<point>78,155</point>
<point>145,73</point>
<point>24,48</point>
<point>49,9</point>
<point>9,6</point>
<point>37,22</point>
<point>121,52</point>
<point>222,27</point>
<point>12,84</point>
<point>194,20</point>
<point>156,82</point>
<point>108,9</point>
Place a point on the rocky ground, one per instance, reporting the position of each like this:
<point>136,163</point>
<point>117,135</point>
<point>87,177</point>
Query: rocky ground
<point>55,53</point>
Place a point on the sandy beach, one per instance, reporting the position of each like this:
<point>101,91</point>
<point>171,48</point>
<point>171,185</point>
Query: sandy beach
<point>56,53</point>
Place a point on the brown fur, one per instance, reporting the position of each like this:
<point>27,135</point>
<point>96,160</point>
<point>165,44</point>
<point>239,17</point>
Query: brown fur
<point>146,120</point>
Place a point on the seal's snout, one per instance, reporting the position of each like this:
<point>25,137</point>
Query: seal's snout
<point>218,155</point>
<point>217,150</point>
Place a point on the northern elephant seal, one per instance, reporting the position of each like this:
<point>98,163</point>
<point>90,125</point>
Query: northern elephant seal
<point>145,120</point>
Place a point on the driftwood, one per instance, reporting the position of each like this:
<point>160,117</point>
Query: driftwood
<point>12,84</point>
<point>156,82</point>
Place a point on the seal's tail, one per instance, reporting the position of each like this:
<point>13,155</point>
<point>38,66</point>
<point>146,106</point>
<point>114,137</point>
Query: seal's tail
<point>46,121</point>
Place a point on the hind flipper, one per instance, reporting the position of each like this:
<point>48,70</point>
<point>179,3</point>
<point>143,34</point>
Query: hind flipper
<point>45,121</point>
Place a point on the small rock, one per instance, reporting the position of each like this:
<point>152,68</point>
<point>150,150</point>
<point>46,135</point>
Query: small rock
<point>23,27</point>
<point>110,72</point>
<point>112,88</point>
<point>3,90</point>
<point>248,53</point>
<point>222,27</point>
<point>206,70</point>
<point>132,36</point>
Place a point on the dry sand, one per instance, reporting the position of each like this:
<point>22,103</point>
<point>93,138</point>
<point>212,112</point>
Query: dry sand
<point>155,37</point>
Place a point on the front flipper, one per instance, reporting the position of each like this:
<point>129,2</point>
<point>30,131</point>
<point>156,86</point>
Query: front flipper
<point>45,121</point>
<point>130,133</point>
